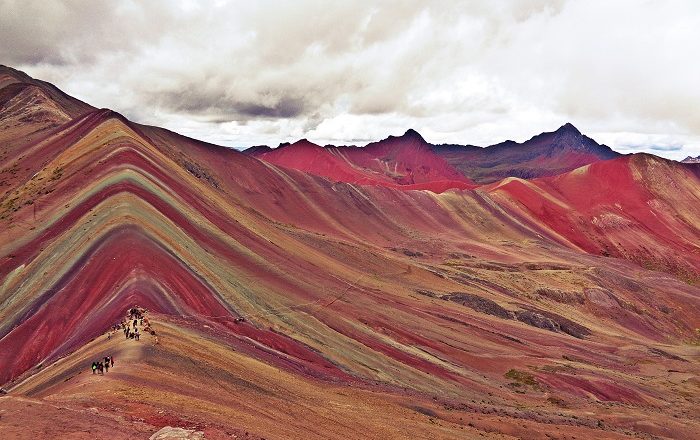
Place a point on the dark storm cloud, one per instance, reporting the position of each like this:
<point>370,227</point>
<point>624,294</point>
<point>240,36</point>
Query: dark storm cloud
<point>217,106</point>
<point>473,71</point>
<point>270,59</point>
<point>283,108</point>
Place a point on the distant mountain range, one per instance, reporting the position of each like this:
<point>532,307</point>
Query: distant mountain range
<point>401,162</point>
<point>690,159</point>
<point>546,154</point>
<point>409,160</point>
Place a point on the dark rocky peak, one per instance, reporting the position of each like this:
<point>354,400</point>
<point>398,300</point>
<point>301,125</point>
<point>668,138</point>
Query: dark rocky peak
<point>256,150</point>
<point>412,134</point>
<point>568,128</point>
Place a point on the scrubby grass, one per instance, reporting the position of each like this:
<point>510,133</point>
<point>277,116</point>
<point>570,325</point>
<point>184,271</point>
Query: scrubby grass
<point>522,378</point>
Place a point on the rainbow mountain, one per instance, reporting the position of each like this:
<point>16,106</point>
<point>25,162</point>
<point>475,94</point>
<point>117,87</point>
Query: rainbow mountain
<point>289,304</point>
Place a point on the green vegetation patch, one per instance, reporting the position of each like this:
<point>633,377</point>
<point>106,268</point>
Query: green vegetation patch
<point>522,377</point>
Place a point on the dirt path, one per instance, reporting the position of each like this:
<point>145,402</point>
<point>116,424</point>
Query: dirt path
<point>74,370</point>
<point>33,408</point>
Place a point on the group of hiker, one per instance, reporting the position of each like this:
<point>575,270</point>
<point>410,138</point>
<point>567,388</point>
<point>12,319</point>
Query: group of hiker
<point>132,333</point>
<point>130,326</point>
<point>136,318</point>
<point>102,366</point>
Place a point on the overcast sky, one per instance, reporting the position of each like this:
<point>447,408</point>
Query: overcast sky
<point>242,73</point>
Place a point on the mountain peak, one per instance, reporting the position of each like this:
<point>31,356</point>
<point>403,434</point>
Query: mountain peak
<point>412,134</point>
<point>305,142</point>
<point>568,128</point>
<point>302,143</point>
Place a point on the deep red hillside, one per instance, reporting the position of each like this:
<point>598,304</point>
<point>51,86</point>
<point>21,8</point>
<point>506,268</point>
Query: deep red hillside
<point>635,207</point>
<point>405,159</point>
<point>398,162</point>
<point>314,159</point>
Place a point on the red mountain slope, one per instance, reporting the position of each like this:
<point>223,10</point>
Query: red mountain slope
<point>403,162</point>
<point>311,158</point>
<point>405,159</point>
<point>636,207</point>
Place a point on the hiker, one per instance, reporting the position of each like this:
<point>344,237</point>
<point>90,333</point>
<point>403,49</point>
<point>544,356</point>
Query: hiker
<point>111,361</point>
<point>106,366</point>
<point>94,367</point>
<point>100,368</point>
<point>107,359</point>
<point>136,334</point>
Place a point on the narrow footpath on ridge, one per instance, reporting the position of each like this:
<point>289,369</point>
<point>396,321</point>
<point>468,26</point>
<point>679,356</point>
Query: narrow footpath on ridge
<point>72,374</point>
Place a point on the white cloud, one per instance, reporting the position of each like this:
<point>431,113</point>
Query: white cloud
<point>242,73</point>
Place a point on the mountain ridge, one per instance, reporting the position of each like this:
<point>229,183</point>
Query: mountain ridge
<point>548,153</point>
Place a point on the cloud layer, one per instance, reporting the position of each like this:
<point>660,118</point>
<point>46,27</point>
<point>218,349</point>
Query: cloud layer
<point>242,73</point>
